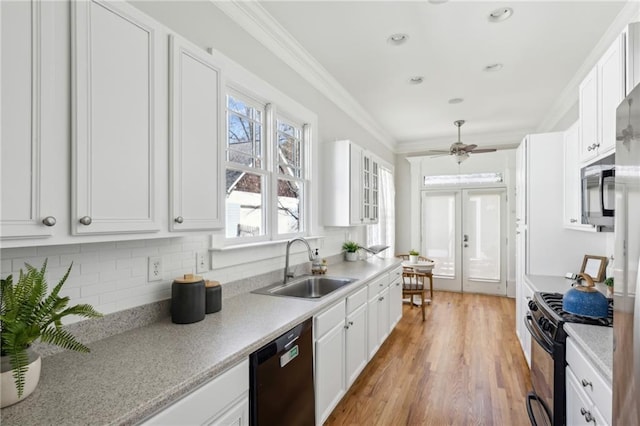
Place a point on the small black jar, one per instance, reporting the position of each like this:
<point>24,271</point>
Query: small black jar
<point>187,299</point>
<point>214,296</point>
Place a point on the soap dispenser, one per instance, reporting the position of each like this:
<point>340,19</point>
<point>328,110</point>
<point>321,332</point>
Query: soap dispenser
<point>316,265</point>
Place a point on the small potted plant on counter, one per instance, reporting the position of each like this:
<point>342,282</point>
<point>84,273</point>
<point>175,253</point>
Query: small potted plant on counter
<point>28,313</point>
<point>413,256</point>
<point>350,250</point>
<point>609,283</point>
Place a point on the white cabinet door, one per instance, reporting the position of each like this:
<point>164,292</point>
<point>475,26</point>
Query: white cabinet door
<point>236,415</point>
<point>589,113</point>
<point>356,343</point>
<point>527,295</point>
<point>356,215</point>
<point>572,181</point>
<point>330,371</point>
<point>30,169</point>
<point>115,57</point>
<point>632,60</point>
<point>383,315</point>
<point>395,302</point>
<point>195,138</point>
<point>577,404</point>
<point>373,342</point>
<point>611,85</point>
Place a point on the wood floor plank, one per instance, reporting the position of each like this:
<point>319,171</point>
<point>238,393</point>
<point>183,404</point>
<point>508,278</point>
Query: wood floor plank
<point>462,366</point>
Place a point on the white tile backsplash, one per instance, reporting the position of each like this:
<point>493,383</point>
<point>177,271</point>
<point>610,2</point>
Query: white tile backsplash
<point>112,276</point>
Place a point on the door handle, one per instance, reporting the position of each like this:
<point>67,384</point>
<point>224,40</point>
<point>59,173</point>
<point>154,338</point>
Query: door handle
<point>466,245</point>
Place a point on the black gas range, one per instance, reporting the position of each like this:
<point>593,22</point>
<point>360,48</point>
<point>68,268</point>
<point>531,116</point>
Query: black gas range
<point>545,320</point>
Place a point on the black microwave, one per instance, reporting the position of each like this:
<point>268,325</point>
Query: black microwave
<point>598,194</point>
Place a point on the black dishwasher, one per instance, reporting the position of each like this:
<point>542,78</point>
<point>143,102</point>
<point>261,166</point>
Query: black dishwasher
<point>281,377</point>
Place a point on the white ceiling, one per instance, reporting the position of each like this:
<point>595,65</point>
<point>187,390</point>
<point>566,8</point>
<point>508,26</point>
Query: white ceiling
<point>542,46</point>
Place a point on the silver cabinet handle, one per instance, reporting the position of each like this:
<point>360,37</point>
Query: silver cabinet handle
<point>596,145</point>
<point>346,327</point>
<point>590,148</point>
<point>49,221</point>
<point>573,220</point>
<point>178,219</point>
<point>85,220</point>
<point>380,299</point>
<point>466,245</point>
<point>586,383</point>
<point>350,322</point>
<point>587,415</point>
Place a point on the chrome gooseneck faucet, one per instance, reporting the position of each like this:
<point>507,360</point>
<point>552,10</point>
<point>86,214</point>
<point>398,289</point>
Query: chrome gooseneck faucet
<point>287,275</point>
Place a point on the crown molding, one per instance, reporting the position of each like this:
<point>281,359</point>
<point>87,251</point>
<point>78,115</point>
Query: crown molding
<point>569,96</point>
<point>254,19</point>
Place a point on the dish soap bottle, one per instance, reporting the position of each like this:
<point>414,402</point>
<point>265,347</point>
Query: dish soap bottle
<point>316,266</point>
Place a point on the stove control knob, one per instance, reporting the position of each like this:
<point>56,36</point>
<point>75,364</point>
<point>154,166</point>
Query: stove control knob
<point>546,326</point>
<point>533,306</point>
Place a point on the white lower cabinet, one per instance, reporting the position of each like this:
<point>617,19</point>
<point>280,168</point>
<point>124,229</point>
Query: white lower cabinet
<point>589,396</point>
<point>347,335</point>
<point>222,401</point>
<point>378,306</point>
<point>395,297</point>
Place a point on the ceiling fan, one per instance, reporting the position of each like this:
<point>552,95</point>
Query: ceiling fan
<point>459,150</point>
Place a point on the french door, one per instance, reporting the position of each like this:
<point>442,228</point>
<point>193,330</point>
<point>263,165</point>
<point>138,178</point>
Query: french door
<point>463,231</point>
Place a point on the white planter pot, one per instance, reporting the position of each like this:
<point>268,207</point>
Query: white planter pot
<point>413,259</point>
<point>8,392</point>
<point>351,257</point>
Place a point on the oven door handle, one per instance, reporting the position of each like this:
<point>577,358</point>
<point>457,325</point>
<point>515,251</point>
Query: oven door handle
<point>542,340</point>
<point>531,396</point>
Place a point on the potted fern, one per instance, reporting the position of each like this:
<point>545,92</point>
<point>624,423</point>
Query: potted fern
<point>413,256</point>
<point>28,313</point>
<point>350,250</point>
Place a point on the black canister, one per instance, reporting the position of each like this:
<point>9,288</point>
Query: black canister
<point>187,299</point>
<point>214,297</point>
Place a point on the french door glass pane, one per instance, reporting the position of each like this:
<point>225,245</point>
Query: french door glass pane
<point>483,228</point>
<point>439,212</point>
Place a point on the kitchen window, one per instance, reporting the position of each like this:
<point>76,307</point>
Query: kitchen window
<point>265,175</point>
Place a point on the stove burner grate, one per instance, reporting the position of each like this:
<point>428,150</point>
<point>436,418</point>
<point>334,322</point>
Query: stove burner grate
<point>554,302</point>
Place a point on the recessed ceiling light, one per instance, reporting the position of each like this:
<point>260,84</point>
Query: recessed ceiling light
<point>397,39</point>
<point>416,80</point>
<point>493,67</point>
<point>438,1</point>
<point>456,100</point>
<point>501,14</point>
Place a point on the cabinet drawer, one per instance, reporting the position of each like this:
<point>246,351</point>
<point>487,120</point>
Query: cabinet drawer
<point>329,319</point>
<point>395,274</point>
<point>207,401</point>
<point>377,285</point>
<point>356,300</point>
<point>591,382</point>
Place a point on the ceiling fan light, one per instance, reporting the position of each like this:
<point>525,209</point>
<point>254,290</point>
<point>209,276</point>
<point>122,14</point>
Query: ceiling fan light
<point>461,156</point>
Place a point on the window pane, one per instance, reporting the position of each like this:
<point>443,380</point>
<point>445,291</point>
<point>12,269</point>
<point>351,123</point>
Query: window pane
<point>289,150</point>
<point>438,218</point>
<point>240,107</point>
<point>289,196</point>
<point>244,133</point>
<point>240,158</point>
<point>244,204</point>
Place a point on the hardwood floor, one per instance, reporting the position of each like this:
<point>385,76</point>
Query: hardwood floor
<point>462,366</point>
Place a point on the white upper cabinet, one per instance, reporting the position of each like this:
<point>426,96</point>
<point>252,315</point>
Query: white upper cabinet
<point>572,181</point>
<point>196,109</point>
<point>352,185</point>
<point>600,93</point>
<point>30,162</point>
<point>115,60</point>
<point>632,63</point>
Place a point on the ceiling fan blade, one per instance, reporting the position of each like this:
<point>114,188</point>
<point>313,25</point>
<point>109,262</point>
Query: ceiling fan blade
<point>432,154</point>
<point>483,150</point>
<point>468,148</point>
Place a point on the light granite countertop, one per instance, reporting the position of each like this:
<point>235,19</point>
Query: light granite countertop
<point>595,341</point>
<point>129,376</point>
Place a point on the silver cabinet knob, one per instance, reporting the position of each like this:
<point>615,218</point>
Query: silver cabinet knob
<point>85,220</point>
<point>586,383</point>
<point>178,219</point>
<point>49,221</point>
<point>573,220</point>
<point>590,148</point>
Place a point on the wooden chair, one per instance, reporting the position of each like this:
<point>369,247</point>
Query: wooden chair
<point>412,285</point>
<point>421,275</point>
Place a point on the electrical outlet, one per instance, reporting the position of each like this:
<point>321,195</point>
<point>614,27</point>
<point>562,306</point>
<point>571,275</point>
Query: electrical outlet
<point>154,272</point>
<point>202,261</point>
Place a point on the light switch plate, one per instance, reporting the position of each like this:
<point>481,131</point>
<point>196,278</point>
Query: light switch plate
<point>154,272</point>
<point>202,262</point>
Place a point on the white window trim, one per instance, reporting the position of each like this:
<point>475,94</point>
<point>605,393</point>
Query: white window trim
<point>270,172</point>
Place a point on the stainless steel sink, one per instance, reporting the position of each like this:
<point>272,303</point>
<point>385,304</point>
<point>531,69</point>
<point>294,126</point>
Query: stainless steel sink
<point>306,287</point>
